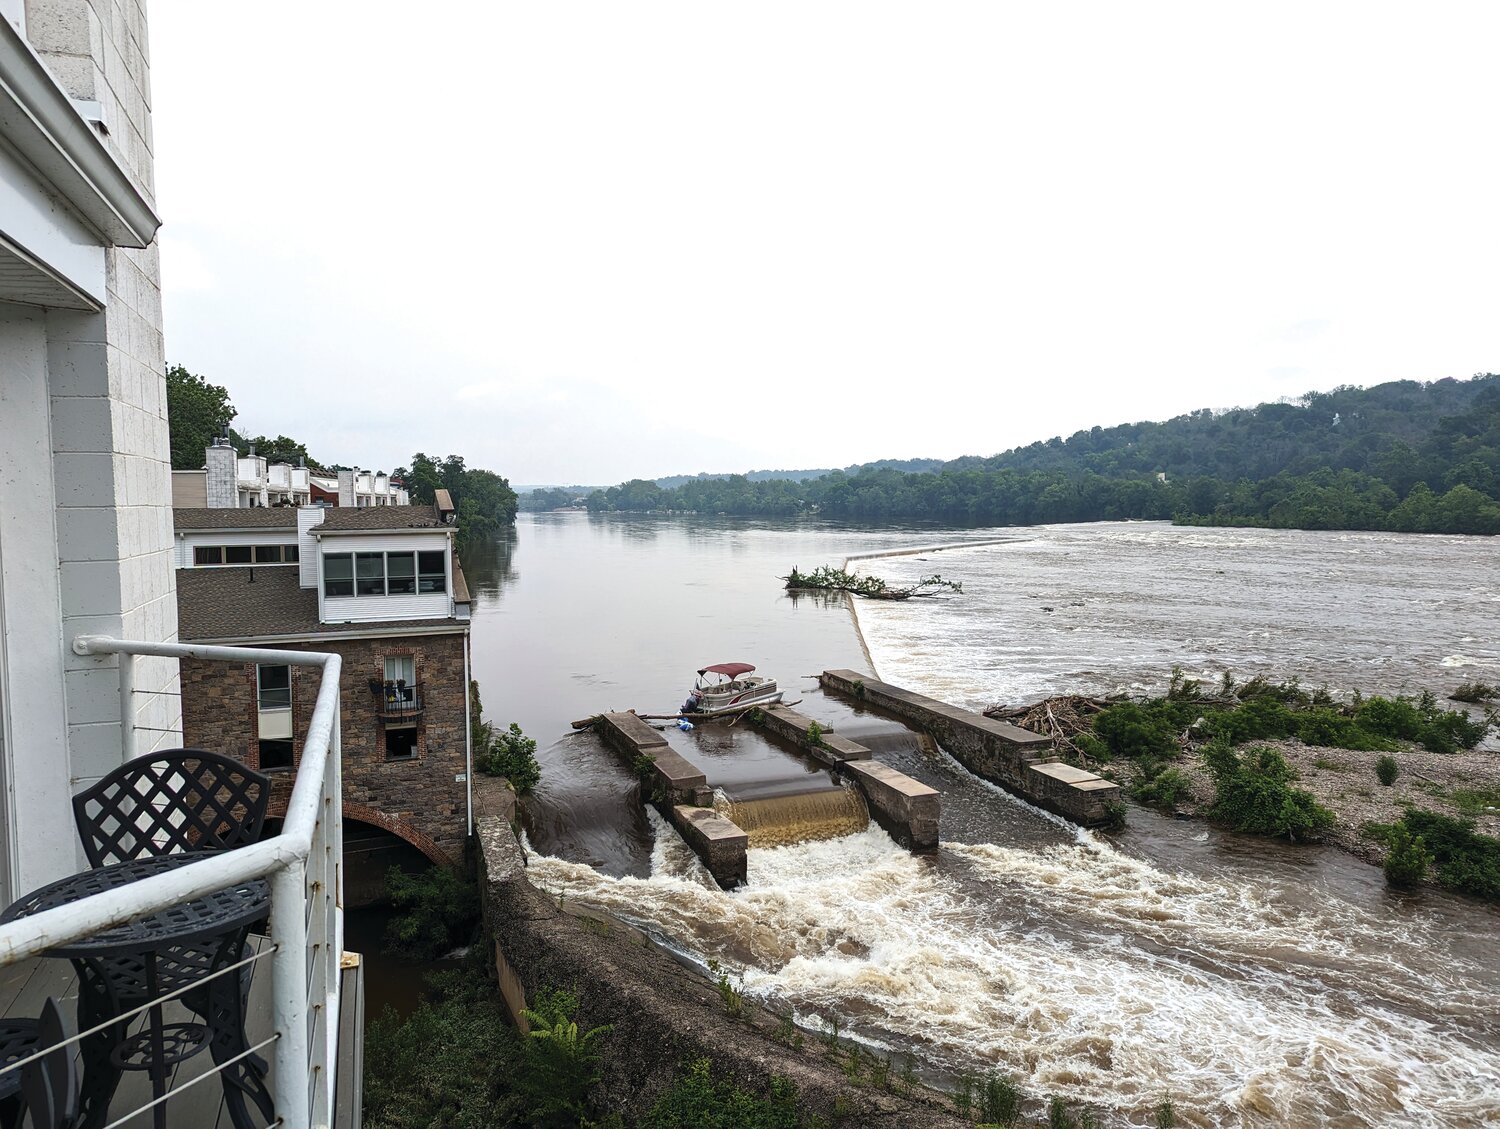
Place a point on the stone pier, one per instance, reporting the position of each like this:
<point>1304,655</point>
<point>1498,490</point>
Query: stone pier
<point>679,790</point>
<point>907,809</point>
<point>1015,758</point>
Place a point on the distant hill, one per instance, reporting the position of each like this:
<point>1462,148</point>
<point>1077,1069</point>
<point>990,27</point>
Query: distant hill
<point>909,466</point>
<point>1406,456</point>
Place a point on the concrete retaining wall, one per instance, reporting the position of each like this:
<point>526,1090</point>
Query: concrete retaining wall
<point>1008,755</point>
<point>907,809</point>
<point>679,790</point>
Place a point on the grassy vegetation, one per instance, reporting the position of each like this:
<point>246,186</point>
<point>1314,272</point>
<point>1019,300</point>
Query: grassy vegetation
<point>1467,862</point>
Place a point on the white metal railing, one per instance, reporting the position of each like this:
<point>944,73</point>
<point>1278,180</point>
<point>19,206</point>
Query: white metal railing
<point>304,868</point>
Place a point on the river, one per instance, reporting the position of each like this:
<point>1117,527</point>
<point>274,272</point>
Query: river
<point>1254,983</point>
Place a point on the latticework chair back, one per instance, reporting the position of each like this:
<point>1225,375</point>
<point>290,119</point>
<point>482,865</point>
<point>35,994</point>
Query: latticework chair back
<point>172,801</point>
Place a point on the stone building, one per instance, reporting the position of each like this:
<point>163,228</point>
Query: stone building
<point>380,586</point>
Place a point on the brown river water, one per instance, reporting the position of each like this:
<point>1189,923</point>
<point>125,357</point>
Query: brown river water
<point>1253,982</point>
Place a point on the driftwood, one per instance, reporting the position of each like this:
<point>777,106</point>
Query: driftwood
<point>1062,718</point>
<point>826,579</point>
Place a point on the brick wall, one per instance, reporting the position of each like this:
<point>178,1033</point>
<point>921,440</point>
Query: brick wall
<point>418,799</point>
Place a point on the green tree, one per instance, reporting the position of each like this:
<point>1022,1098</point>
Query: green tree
<point>196,412</point>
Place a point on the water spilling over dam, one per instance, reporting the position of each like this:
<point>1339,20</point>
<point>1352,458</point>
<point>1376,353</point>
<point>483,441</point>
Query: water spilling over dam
<point>1257,984</point>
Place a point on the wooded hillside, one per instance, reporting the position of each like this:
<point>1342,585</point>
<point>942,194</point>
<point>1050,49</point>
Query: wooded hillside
<point>1403,456</point>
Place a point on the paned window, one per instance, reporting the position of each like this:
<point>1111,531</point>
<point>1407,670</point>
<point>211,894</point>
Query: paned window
<point>432,572</point>
<point>237,554</point>
<point>338,574</point>
<point>274,687</point>
<point>369,574</point>
<point>400,573</point>
<point>268,554</point>
<point>208,555</point>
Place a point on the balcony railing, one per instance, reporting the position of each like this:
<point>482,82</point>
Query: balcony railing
<point>303,866</point>
<point>395,701</point>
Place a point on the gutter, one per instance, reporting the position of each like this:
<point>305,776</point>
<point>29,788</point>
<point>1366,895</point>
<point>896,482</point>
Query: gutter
<point>448,627</point>
<point>44,127</point>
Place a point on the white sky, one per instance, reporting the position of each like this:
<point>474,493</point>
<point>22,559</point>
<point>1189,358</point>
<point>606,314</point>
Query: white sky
<point>582,242</point>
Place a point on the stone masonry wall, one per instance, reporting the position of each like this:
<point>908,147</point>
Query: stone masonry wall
<point>418,799</point>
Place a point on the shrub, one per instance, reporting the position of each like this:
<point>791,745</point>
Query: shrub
<point>1467,862</point>
<point>1131,730</point>
<point>999,1102</point>
<point>436,911</point>
<point>1254,794</point>
<point>1386,770</point>
<point>1474,692</point>
<point>1334,730</point>
<point>1421,720</point>
<point>696,1101</point>
<point>1164,788</point>
<point>1407,862</point>
<point>512,755</point>
<point>1166,1114</point>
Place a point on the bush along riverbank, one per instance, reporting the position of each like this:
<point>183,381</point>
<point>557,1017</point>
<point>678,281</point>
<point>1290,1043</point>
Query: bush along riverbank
<point>1400,778</point>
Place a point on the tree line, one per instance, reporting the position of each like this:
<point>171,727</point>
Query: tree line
<point>198,411</point>
<point>1403,456</point>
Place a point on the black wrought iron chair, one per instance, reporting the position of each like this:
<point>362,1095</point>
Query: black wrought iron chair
<point>166,803</point>
<point>47,1087</point>
<point>172,801</point>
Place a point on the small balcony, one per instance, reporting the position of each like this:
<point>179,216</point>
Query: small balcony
<point>302,995</point>
<point>396,701</point>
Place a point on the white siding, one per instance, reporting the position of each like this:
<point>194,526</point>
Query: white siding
<point>190,539</point>
<point>367,609</point>
<point>309,518</point>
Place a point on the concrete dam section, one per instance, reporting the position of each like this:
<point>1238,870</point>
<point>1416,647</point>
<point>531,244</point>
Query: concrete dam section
<point>720,823</point>
<point>1017,759</point>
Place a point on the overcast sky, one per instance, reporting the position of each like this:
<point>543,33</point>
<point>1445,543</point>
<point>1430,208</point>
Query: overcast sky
<point>578,243</point>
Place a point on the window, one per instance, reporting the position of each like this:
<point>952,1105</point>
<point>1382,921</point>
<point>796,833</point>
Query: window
<point>274,687</point>
<point>237,554</point>
<point>275,754</point>
<point>268,554</point>
<point>400,668</point>
<point>291,554</point>
<point>400,573</point>
<point>432,572</point>
<point>384,574</point>
<point>369,574</point>
<point>338,574</point>
<point>208,555</point>
<point>400,742</point>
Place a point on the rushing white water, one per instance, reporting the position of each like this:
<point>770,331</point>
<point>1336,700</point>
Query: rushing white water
<point>1235,1000</point>
<point>1258,985</point>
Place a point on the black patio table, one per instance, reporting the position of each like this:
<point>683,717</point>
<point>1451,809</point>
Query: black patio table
<point>125,966</point>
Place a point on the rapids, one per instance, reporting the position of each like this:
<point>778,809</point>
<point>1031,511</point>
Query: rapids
<point>1255,983</point>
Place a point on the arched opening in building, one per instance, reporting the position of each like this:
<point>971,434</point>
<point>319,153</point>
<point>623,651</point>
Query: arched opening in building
<point>369,851</point>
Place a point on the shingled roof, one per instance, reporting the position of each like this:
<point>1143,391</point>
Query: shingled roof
<point>380,517</point>
<point>258,517</point>
<point>248,603</point>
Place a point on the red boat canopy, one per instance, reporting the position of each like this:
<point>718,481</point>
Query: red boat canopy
<point>730,670</point>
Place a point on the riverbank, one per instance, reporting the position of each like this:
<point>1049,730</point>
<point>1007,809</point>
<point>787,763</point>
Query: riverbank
<point>1462,785</point>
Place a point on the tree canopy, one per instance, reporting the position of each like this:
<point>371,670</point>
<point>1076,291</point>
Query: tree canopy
<point>482,500</point>
<point>197,411</point>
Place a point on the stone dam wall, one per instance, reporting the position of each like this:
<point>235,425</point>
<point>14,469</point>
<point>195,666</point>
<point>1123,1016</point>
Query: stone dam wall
<point>907,809</point>
<point>680,791</point>
<point>1017,759</point>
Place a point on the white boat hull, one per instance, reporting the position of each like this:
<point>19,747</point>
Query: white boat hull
<point>709,702</point>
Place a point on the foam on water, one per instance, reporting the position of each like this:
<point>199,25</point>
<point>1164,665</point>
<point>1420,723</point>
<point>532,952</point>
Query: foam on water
<point>1223,994</point>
